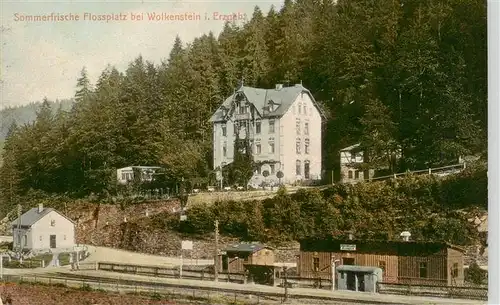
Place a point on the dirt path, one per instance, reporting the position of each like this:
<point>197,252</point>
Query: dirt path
<point>104,254</point>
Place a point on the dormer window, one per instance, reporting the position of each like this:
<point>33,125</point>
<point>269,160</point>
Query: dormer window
<point>243,108</point>
<point>272,106</point>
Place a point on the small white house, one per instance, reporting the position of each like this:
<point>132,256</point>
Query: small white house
<point>43,229</point>
<point>126,174</point>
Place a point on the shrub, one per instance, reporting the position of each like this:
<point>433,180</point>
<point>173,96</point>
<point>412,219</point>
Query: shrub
<point>383,209</point>
<point>475,274</point>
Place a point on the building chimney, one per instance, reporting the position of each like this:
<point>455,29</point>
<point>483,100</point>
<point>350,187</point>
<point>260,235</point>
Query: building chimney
<point>40,207</point>
<point>279,86</point>
<point>405,235</point>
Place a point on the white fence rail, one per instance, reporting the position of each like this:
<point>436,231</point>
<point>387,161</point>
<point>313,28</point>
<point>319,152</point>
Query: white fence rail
<point>439,171</point>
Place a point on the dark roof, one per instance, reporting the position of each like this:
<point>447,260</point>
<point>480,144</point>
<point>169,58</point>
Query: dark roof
<point>243,247</point>
<point>399,247</point>
<point>358,268</point>
<point>139,167</point>
<point>260,98</point>
<point>32,216</point>
<point>349,148</point>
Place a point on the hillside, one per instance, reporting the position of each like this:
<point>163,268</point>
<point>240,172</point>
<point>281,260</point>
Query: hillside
<point>131,229</point>
<point>452,209</point>
<point>26,114</point>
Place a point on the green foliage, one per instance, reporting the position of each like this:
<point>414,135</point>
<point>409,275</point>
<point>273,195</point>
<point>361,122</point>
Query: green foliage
<point>466,188</point>
<point>405,74</point>
<point>64,258</point>
<point>199,220</point>
<point>35,262</point>
<point>242,168</point>
<point>475,274</point>
<point>377,210</point>
<point>86,287</point>
<point>378,139</point>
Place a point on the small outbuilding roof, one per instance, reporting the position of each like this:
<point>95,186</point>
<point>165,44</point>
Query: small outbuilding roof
<point>349,148</point>
<point>139,167</point>
<point>355,268</point>
<point>244,247</point>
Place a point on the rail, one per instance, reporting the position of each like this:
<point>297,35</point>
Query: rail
<point>206,273</point>
<point>429,171</point>
<point>188,272</point>
<point>156,290</point>
<point>199,294</point>
<point>463,292</point>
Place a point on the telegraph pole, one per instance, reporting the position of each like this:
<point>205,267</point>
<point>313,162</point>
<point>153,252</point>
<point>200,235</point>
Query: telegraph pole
<point>216,256</point>
<point>285,271</point>
<point>18,235</point>
<point>332,262</point>
<point>221,178</point>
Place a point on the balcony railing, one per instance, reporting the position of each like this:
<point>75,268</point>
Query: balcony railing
<point>242,116</point>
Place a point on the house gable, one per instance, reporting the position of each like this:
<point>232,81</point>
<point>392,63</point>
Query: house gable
<point>303,98</point>
<point>31,217</point>
<point>265,102</point>
<point>53,216</point>
<point>351,155</point>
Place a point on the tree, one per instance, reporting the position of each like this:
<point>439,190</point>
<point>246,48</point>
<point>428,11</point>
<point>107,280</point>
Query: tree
<point>241,169</point>
<point>394,74</point>
<point>475,274</point>
<point>10,175</point>
<point>255,59</point>
<point>378,141</point>
<point>228,59</point>
<point>181,159</point>
<point>84,88</point>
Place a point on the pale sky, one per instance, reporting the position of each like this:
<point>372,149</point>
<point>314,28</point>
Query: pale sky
<point>44,58</point>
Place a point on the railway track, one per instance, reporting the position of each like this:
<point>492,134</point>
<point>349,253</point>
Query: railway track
<point>136,286</point>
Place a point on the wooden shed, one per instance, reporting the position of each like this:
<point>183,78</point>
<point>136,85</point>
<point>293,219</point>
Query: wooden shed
<point>430,263</point>
<point>235,257</point>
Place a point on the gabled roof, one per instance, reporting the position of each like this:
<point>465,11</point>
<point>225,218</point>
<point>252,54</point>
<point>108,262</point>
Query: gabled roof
<point>261,98</point>
<point>400,247</point>
<point>355,268</point>
<point>32,216</point>
<point>243,247</point>
<point>139,167</point>
<point>349,148</point>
